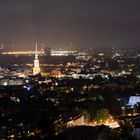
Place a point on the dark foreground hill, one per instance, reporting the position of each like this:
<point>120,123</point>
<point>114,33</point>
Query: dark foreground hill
<point>87,133</point>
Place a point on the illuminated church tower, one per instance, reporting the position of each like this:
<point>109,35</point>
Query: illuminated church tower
<point>36,68</point>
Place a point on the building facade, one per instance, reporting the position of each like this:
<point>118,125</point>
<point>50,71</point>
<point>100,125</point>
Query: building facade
<point>36,68</point>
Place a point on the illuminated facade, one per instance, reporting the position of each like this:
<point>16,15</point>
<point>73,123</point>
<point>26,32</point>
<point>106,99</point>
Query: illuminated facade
<point>36,68</point>
<point>133,100</point>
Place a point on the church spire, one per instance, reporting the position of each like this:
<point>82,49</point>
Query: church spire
<point>36,68</point>
<point>36,53</point>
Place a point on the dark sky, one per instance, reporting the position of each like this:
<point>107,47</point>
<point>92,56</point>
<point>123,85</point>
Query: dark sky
<point>85,23</point>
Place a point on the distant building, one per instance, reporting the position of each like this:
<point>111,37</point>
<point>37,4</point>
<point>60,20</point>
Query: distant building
<point>12,82</point>
<point>36,68</point>
<point>133,100</point>
<point>76,121</point>
<point>45,74</point>
<point>1,48</point>
<point>48,51</point>
<point>56,73</point>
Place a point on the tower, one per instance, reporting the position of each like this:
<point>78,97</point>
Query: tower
<point>48,51</point>
<point>36,68</point>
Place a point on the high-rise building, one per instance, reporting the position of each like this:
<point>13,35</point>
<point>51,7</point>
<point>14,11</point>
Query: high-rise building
<point>1,47</point>
<point>36,68</point>
<point>48,51</point>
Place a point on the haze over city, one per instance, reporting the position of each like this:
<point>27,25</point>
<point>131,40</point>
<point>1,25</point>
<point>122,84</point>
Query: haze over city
<point>70,23</point>
<point>70,69</point>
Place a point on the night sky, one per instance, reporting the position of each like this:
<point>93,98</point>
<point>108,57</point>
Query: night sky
<point>70,23</point>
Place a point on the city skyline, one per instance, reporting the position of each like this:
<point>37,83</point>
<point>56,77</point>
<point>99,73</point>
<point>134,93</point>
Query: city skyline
<point>70,24</point>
